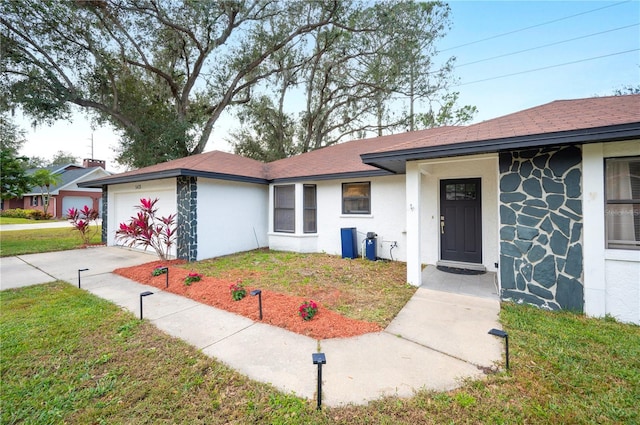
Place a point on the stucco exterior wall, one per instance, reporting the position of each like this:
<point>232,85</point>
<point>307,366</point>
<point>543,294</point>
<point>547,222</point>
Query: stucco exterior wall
<point>122,199</point>
<point>232,217</point>
<point>611,276</point>
<point>387,219</point>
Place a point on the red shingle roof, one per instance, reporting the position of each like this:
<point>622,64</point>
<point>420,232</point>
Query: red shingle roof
<point>345,158</point>
<point>557,116</point>
<point>208,162</point>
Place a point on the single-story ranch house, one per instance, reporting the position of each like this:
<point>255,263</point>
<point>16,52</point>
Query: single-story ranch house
<point>548,198</point>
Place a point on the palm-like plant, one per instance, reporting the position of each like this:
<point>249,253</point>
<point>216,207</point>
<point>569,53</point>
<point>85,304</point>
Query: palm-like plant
<point>44,179</point>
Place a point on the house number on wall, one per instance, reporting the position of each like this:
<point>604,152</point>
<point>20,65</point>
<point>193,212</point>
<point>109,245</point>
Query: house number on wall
<point>138,186</point>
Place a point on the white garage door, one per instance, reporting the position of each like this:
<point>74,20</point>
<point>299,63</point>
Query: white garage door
<point>124,207</point>
<point>77,202</point>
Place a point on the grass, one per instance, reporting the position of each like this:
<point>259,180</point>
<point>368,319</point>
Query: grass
<point>19,242</point>
<point>69,357</point>
<point>373,291</point>
<point>12,220</point>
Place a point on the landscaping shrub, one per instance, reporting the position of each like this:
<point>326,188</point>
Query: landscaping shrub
<point>17,213</point>
<point>38,215</point>
<point>147,230</point>
<point>81,221</point>
<point>28,214</point>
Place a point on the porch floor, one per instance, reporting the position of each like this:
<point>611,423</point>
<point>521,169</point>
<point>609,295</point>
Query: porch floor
<point>481,285</point>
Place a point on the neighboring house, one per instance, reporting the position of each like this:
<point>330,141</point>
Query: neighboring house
<point>548,197</point>
<point>66,194</point>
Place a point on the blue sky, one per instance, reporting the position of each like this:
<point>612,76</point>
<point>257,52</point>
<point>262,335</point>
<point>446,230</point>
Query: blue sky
<point>474,21</point>
<point>604,29</point>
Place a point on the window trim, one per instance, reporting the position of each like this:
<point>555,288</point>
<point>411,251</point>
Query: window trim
<point>277,208</point>
<point>344,210</point>
<point>305,208</point>
<point>620,245</point>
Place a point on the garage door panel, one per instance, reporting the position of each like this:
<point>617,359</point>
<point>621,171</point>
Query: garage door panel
<point>124,208</point>
<point>77,202</point>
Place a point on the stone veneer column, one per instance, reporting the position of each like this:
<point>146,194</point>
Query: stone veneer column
<point>187,220</point>
<point>541,259</point>
<point>103,213</point>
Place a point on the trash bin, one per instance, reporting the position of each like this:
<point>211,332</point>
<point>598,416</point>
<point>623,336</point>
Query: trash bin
<point>349,242</point>
<point>372,243</point>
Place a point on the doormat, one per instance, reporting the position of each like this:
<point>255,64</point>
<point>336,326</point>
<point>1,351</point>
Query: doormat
<point>456,270</point>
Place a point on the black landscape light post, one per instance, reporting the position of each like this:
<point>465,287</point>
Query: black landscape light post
<point>319,359</point>
<point>258,292</point>
<point>143,294</point>
<point>80,270</point>
<point>502,334</point>
<point>166,272</point>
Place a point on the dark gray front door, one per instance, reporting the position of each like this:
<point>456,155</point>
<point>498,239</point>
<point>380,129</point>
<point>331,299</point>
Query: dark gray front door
<point>460,220</point>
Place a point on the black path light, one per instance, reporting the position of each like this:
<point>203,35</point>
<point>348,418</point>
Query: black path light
<point>319,359</point>
<point>258,292</point>
<point>142,295</point>
<point>166,272</point>
<point>80,270</point>
<point>502,334</point>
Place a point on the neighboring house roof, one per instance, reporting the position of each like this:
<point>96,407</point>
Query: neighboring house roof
<point>556,123</point>
<point>69,175</point>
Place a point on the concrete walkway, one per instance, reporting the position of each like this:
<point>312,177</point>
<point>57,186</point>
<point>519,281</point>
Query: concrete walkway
<point>436,340</point>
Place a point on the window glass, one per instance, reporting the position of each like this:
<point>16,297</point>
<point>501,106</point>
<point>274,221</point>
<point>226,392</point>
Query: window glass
<point>461,191</point>
<point>310,209</point>
<point>356,198</point>
<point>622,209</point>
<point>284,208</point>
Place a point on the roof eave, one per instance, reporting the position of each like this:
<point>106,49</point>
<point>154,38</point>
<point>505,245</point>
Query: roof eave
<point>166,174</point>
<point>396,160</point>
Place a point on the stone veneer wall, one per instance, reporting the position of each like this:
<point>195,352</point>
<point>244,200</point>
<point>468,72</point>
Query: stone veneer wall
<point>541,227</point>
<point>103,213</point>
<point>187,218</point>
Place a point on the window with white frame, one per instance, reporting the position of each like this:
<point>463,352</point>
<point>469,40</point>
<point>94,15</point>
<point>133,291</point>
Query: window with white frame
<point>284,208</point>
<point>356,198</point>
<point>622,209</point>
<point>34,201</point>
<point>310,215</point>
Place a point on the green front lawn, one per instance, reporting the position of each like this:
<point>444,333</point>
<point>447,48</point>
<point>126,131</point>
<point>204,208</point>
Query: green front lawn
<point>19,242</point>
<point>12,220</point>
<point>69,357</point>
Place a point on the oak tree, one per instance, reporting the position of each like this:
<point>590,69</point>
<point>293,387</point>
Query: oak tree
<point>161,72</point>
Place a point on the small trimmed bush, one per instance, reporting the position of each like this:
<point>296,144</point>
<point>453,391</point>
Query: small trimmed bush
<point>38,215</point>
<point>29,214</point>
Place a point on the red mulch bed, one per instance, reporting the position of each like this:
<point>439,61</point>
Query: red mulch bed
<point>277,309</point>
